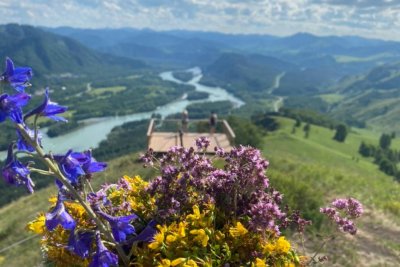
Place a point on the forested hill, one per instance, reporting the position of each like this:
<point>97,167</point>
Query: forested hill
<point>51,54</point>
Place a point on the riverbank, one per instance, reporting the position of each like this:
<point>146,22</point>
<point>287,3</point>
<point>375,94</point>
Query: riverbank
<point>94,130</point>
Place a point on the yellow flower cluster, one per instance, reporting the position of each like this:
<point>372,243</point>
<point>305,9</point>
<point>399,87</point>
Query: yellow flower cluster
<point>136,196</point>
<point>280,246</point>
<point>53,243</point>
<point>194,239</point>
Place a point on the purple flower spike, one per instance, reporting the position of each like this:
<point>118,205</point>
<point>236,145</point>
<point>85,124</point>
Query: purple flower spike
<point>70,166</point>
<point>59,216</point>
<point>17,77</point>
<point>48,109</point>
<point>10,106</point>
<point>120,226</point>
<point>88,163</point>
<point>103,257</point>
<point>80,243</point>
<point>16,173</point>
<point>22,144</point>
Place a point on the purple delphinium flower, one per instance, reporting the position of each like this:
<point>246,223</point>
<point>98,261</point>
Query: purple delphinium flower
<point>22,144</point>
<point>17,77</point>
<point>16,173</point>
<point>80,242</point>
<point>70,166</point>
<point>48,109</point>
<point>103,257</point>
<point>88,163</point>
<point>10,106</point>
<point>147,234</point>
<point>59,216</point>
<point>120,226</point>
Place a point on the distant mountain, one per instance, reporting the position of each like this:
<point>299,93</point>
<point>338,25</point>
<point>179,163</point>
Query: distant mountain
<point>50,54</point>
<point>188,48</point>
<point>246,75</point>
<point>372,97</point>
<point>151,46</point>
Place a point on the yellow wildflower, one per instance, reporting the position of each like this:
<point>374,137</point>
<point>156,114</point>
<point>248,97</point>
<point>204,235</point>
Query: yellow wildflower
<point>170,239</point>
<point>158,238</point>
<point>269,248</point>
<point>201,236</point>
<point>259,263</point>
<point>196,214</point>
<point>282,245</point>
<point>181,229</point>
<point>165,263</point>
<point>190,263</point>
<point>178,261</point>
<point>37,225</point>
<point>76,209</point>
<point>53,200</point>
<point>239,230</point>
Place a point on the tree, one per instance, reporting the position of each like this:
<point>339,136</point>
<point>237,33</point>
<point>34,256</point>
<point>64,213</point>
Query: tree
<point>298,122</point>
<point>385,141</point>
<point>306,130</point>
<point>341,133</point>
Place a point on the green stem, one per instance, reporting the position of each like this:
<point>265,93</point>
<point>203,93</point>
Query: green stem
<point>54,168</point>
<point>41,171</point>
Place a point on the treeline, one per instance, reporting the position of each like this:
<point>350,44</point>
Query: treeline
<point>183,76</point>
<point>385,157</point>
<point>308,116</point>
<point>128,138</point>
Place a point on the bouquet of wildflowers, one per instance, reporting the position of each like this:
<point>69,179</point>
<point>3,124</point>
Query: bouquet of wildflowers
<point>192,214</point>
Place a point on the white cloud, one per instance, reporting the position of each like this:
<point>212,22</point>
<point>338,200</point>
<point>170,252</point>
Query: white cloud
<point>380,19</point>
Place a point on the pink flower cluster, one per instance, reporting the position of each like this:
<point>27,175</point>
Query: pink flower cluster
<point>342,212</point>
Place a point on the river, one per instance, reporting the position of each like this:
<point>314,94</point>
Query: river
<point>96,129</point>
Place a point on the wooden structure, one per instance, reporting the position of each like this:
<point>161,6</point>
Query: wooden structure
<point>163,134</point>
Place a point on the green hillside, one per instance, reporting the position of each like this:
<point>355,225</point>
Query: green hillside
<point>53,56</point>
<point>309,171</point>
<point>317,169</point>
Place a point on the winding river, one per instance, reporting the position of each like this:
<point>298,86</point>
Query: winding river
<point>95,130</point>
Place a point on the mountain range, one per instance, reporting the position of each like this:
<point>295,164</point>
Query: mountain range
<point>50,54</point>
<point>340,75</point>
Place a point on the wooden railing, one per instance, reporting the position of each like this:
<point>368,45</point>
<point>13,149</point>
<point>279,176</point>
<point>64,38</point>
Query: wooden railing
<point>228,131</point>
<point>150,130</point>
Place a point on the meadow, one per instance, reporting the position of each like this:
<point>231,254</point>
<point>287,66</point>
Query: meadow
<point>310,172</point>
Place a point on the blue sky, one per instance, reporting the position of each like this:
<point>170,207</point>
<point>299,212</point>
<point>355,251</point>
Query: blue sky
<point>369,18</point>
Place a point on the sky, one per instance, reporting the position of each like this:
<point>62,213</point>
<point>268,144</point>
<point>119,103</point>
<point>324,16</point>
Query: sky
<point>368,18</point>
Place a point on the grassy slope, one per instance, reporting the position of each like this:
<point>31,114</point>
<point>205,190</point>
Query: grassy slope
<point>14,217</point>
<point>319,167</point>
<point>314,170</point>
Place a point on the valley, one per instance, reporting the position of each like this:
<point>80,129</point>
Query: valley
<point>114,80</point>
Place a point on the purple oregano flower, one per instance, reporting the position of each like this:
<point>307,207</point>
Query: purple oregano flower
<point>120,226</point>
<point>17,77</point>
<point>48,109</point>
<point>342,213</point>
<point>70,166</point>
<point>16,173</point>
<point>103,256</point>
<point>10,106</point>
<point>59,216</point>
